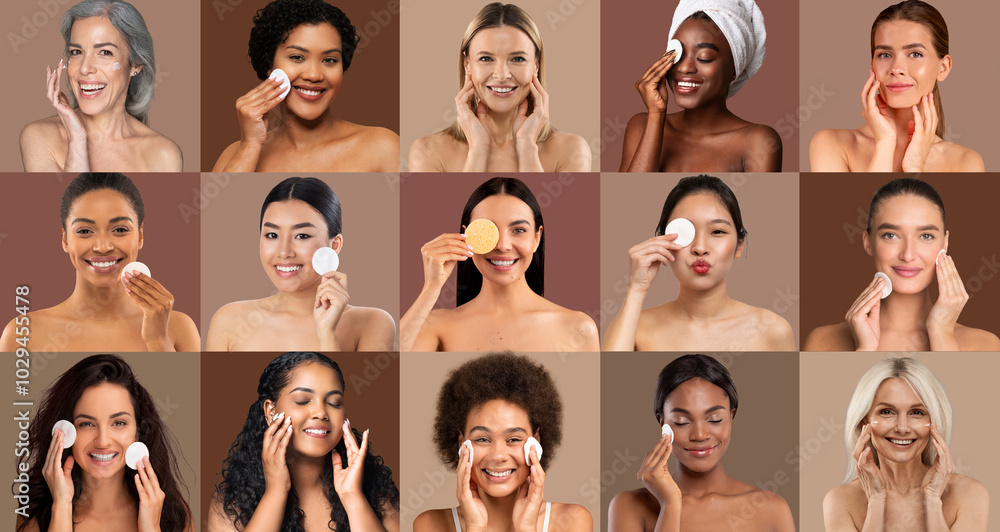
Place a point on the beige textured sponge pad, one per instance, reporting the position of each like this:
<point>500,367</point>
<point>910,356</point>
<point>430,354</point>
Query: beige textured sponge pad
<point>482,235</point>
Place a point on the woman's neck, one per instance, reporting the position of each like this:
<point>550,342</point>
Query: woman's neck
<point>903,478</point>
<point>498,298</point>
<point>905,312</point>
<point>703,304</point>
<point>302,133</point>
<point>706,118</point>
<point>305,472</point>
<point>111,124</point>
<point>501,126</point>
<point>105,495</point>
<point>699,484</point>
<point>902,118</point>
<point>99,302</point>
<point>500,509</point>
<point>299,302</point>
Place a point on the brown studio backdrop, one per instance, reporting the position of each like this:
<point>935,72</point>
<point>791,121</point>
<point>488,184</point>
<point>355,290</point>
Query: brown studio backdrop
<point>764,433</point>
<point>30,218</point>
<point>432,33</point>
<point>368,96</point>
<point>229,388</point>
<point>835,60</point>
<point>175,110</point>
<point>634,36</point>
<point>766,276</point>
<point>429,484</point>
<point>834,215</point>
<point>232,270</point>
<point>168,380</point>
<point>432,205</point>
<point>827,383</point>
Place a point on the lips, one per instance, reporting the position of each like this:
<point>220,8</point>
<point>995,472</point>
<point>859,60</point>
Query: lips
<point>701,267</point>
<point>686,86</point>
<point>899,442</point>
<point>102,458</point>
<point>309,93</point>
<point>906,271</point>
<point>502,91</point>
<point>701,452</point>
<point>317,431</point>
<point>498,475</point>
<point>898,87</point>
<point>502,264</point>
<point>286,271</point>
<point>91,89</point>
<point>104,264</point>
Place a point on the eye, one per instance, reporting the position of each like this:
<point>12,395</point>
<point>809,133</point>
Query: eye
<point>482,439</point>
<point>120,423</point>
<point>120,230</point>
<point>719,232</point>
<point>514,440</point>
<point>331,60</point>
<point>885,412</point>
<point>302,236</point>
<point>519,230</point>
<point>485,59</point>
<point>927,236</point>
<point>296,57</point>
<point>884,55</point>
<point>917,412</point>
<point>84,231</point>
<point>704,60</point>
<point>270,236</point>
<point>889,236</point>
<point>680,423</point>
<point>519,59</point>
<point>302,403</point>
<point>75,51</point>
<point>105,52</point>
<point>85,424</point>
<point>916,55</point>
<point>335,405</point>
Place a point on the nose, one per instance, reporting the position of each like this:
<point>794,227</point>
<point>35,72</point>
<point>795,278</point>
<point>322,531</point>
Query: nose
<point>319,412</point>
<point>285,247</point>
<point>699,246</point>
<point>906,253</point>
<point>501,72</point>
<point>504,242</point>
<point>699,431</point>
<point>103,439</point>
<point>103,243</point>
<point>898,65</point>
<point>312,71</point>
<point>87,64</point>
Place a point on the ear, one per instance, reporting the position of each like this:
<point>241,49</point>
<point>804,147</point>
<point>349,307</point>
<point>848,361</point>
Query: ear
<point>945,67</point>
<point>337,243</point>
<point>136,69</point>
<point>659,419</point>
<point>535,435</point>
<point>538,238</point>
<point>739,248</point>
<point>65,245</point>
<point>465,67</point>
<point>268,411</point>
<point>867,243</point>
<point>140,237</point>
<point>946,242</point>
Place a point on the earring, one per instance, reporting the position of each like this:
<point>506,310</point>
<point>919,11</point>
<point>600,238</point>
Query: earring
<point>134,73</point>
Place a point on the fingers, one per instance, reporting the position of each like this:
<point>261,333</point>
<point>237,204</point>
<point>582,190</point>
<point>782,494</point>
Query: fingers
<point>146,291</point>
<point>868,299</point>
<point>868,93</point>
<point>863,440</point>
<point>447,247</point>
<point>333,287</point>
<point>659,69</point>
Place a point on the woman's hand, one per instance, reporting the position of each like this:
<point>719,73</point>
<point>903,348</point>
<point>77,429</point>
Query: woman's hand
<point>150,497</point>
<point>156,303</point>
<point>923,134</point>
<point>645,260</point>
<point>347,481</point>
<point>937,477</point>
<point>474,125</point>
<point>252,109</point>
<point>530,497</point>
<point>272,454</point>
<point>868,473</point>
<point>472,507</point>
<point>655,476</point>
<point>56,474</point>
<point>952,298</point>
<point>875,112</point>
<point>863,316</point>
<point>527,128</point>
<point>441,255</point>
<point>331,300</point>
<point>652,86</point>
<point>69,116</point>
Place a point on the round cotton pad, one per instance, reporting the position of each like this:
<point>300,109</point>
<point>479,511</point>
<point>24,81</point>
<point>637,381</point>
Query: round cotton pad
<point>325,260</point>
<point>532,442</point>
<point>135,267</point>
<point>482,235</point>
<point>675,45</point>
<point>466,443</point>
<point>68,429</point>
<point>134,454</point>
<point>887,289</point>
<point>667,430</point>
<point>286,83</point>
<point>684,229</point>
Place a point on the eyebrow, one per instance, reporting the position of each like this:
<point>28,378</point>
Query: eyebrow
<point>98,45</point>
<point>519,222</point>
<point>114,220</point>
<point>310,390</point>
<point>906,47</point>
<point>720,221</point>
<point>517,430</point>
<point>710,410</point>
<point>112,416</point>
<point>296,226</point>
<point>883,403</point>
<point>301,49</point>
<point>708,45</point>
<point>893,227</point>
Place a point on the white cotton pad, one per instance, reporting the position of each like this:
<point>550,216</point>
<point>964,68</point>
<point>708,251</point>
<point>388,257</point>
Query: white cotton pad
<point>466,443</point>
<point>134,454</point>
<point>68,429</point>
<point>675,45</point>
<point>135,267</point>
<point>667,430</point>
<point>942,252</point>
<point>684,229</point>
<point>532,442</point>
<point>887,289</point>
<point>325,260</point>
<point>286,83</point>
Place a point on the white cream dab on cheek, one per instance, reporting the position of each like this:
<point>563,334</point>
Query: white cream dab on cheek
<point>116,66</point>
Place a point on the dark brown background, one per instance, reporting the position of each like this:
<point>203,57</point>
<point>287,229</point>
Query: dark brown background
<point>634,36</point>
<point>431,204</point>
<point>765,430</point>
<point>176,105</point>
<point>229,388</point>
<point>836,268</point>
<point>30,231</point>
<point>231,268</point>
<point>369,95</point>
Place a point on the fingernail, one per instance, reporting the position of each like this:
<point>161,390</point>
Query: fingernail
<point>289,429</point>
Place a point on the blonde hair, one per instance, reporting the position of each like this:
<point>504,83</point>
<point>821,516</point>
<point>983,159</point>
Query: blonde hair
<point>497,15</point>
<point>924,384</point>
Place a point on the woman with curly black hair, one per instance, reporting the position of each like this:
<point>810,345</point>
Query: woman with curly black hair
<point>85,484</point>
<point>300,49</point>
<point>495,414</point>
<point>297,463</point>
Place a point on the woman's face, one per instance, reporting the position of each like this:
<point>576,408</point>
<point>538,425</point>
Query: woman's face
<point>900,422</point>
<point>105,427</point>
<point>98,69</point>
<point>502,63</point>
<point>102,235</point>
<point>314,400</point>
<point>519,238</point>
<point>290,234</point>
<point>312,58</point>
<point>905,62</point>
<point>907,235</point>
<point>705,71</point>
<point>699,414</point>
<point>498,430</point>
<point>706,262</point>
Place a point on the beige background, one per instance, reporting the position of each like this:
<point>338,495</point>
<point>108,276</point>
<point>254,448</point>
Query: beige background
<point>764,430</point>
<point>635,35</point>
<point>428,484</point>
<point>176,103</point>
<point>767,276</point>
<point>835,57</point>
<point>231,269</point>
<point>431,35</point>
<point>172,379</point>
<point>826,386</point>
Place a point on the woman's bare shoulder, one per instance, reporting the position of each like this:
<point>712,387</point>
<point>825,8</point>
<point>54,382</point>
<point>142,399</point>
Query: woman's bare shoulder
<point>439,519</point>
<point>160,153</point>
<point>378,146</point>
<point>430,153</point>
<point>570,152</point>
<point>830,149</point>
<point>972,339</point>
<point>218,521</point>
<point>835,337</point>
<point>961,159</point>
<point>841,503</point>
<point>772,331</point>
<point>378,328</point>
<point>568,516</point>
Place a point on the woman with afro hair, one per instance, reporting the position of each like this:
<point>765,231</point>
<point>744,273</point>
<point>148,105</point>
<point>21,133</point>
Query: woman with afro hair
<point>491,413</point>
<point>298,464</point>
<point>287,123</point>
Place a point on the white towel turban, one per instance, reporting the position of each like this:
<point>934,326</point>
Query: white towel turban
<point>743,25</point>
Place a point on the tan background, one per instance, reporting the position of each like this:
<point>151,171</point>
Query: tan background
<point>231,228</point>
<point>432,32</point>
<point>764,430</point>
<point>30,229</point>
<point>176,105</point>
<point>432,205</point>
<point>835,57</point>
<point>428,484</point>
<point>635,35</point>
<point>229,388</point>
<point>834,213</point>
<point>369,95</point>
<point>826,387</point>
<point>767,276</point>
<point>167,377</point>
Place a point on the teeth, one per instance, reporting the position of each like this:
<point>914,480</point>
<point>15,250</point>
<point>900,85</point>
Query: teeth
<point>688,84</point>
<point>502,90</point>
<point>102,457</point>
<point>505,473</point>
<point>309,92</point>
<point>501,262</point>
<point>92,87</point>
<point>316,431</point>
<point>289,269</point>
<point>901,442</point>
<point>103,264</point>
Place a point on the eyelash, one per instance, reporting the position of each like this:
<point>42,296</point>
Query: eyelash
<point>88,231</point>
<point>298,59</point>
<point>304,403</point>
